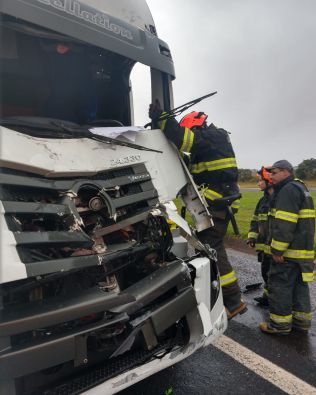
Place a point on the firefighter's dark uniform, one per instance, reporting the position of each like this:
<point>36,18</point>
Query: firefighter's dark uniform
<point>213,165</point>
<point>291,229</point>
<point>258,232</point>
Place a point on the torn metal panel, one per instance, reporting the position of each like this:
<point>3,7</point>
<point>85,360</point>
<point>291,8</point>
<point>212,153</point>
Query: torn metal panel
<point>188,233</point>
<point>195,202</point>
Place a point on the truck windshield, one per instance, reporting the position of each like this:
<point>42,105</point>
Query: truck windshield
<point>56,77</point>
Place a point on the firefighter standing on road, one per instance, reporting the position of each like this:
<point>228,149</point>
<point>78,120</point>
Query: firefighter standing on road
<point>213,165</point>
<point>258,232</point>
<point>291,234</point>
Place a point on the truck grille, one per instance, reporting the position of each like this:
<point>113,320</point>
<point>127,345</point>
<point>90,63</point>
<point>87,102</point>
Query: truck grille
<point>54,220</point>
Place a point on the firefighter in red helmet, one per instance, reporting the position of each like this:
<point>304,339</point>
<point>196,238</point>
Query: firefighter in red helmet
<point>213,167</point>
<point>258,232</point>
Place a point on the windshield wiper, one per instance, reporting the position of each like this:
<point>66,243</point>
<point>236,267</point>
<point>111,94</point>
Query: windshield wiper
<point>109,140</point>
<point>59,129</point>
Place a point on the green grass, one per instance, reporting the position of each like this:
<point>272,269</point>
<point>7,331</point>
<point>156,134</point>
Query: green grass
<point>243,217</point>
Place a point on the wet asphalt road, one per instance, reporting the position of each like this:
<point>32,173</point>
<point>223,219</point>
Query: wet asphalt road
<point>210,371</point>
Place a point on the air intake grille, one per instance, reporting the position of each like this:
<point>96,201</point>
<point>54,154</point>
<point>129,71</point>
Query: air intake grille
<point>55,219</point>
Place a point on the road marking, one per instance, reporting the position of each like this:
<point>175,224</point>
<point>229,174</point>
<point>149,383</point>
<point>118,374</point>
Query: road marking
<point>279,377</point>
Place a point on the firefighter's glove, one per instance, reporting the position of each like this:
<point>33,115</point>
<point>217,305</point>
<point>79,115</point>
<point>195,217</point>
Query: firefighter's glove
<point>251,242</point>
<point>154,113</point>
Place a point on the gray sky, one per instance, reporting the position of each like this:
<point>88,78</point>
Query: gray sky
<point>260,55</point>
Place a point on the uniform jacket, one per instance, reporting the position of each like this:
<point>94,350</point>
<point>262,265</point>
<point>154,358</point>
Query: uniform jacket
<point>259,223</point>
<point>212,157</point>
<point>292,225</point>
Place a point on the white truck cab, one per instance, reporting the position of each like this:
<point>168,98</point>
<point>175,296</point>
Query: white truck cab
<point>94,285</point>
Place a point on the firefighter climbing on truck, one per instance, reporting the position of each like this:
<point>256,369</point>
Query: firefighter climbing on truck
<point>214,168</point>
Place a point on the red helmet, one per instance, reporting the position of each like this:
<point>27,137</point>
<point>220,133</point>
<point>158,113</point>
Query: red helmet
<point>193,119</point>
<point>265,175</point>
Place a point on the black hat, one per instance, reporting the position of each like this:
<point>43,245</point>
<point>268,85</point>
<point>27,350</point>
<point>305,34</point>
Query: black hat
<point>281,164</point>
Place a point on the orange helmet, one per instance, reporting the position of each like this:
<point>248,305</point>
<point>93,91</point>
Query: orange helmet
<point>193,119</point>
<point>265,175</point>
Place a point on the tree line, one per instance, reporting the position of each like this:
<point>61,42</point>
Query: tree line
<point>306,170</point>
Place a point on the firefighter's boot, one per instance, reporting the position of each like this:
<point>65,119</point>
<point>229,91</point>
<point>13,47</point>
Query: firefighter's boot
<point>234,305</point>
<point>266,327</point>
<point>302,321</point>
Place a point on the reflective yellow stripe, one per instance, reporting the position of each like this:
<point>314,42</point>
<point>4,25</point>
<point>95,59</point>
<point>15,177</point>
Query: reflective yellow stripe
<point>308,277</point>
<point>299,254</point>
<point>172,225</point>
<point>191,140</point>
<point>255,217</point>
<point>281,319</point>
<point>188,139</point>
<point>265,291</point>
<point>259,247</point>
<point>228,278</point>
<point>214,165</point>
<point>263,217</point>
<point>252,235</point>
<point>300,315</point>
<point>279,245</point>
<point>286,216</point>
<point>236,204</point>
<point>210,194</point>
<point>272,212</point>
<point>267,249</point>
<point>306,213</point>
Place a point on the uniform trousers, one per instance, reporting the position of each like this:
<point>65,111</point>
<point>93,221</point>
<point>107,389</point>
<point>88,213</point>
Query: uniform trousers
<point>214,237</point>
<point>289,298</point>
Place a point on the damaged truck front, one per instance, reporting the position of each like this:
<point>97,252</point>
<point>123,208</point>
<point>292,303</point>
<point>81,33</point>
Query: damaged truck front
<point>97,292</point>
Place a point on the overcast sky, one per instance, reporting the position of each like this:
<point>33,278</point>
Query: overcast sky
<point>260,55</point>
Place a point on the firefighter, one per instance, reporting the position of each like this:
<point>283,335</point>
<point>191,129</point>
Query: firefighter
<point>213,166</point>
<point>291,240</point>
<point>258,232</point>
